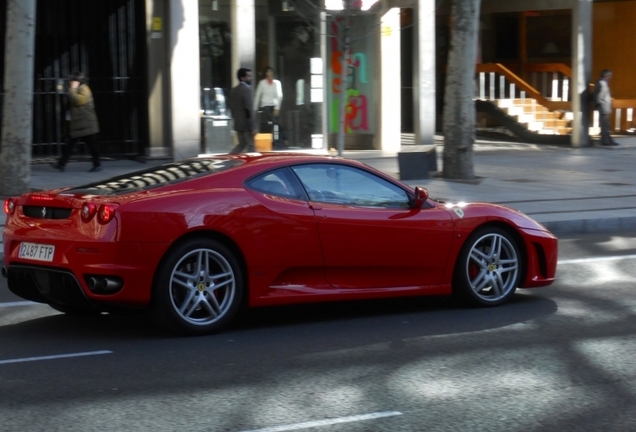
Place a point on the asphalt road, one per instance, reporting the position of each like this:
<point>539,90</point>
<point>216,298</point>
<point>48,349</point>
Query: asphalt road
<point>559,358</point>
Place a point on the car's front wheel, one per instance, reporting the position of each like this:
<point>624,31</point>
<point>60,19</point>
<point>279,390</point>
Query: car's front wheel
<point>488,268</point>
<point>198,289</point>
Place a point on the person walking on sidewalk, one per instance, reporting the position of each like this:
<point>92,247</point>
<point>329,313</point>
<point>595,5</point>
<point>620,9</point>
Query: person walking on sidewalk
<point>268,99</point>
<point>603,103</point>
<point>242,106</point>
<point>83,122</point>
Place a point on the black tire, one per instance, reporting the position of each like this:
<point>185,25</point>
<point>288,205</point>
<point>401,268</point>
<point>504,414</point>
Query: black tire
<point>198,288</point>
<point>489,268</point>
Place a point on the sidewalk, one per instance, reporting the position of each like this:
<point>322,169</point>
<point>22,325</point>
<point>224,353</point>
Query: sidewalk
<point>568,190</point>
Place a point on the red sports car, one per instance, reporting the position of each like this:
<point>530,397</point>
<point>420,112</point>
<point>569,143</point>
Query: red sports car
<point>193,241</point>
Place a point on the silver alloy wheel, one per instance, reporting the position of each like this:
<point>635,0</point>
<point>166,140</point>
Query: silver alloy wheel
<point>202,287</point>
<point>492,267</point>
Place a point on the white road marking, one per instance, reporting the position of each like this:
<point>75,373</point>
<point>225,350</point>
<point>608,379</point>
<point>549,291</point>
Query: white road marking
<point>316,423</point>
<point>18,303</point>
<point>596,259</point>
<point>54,357</point>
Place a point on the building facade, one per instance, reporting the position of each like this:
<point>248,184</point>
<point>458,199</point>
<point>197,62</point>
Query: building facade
<point>161,70</point>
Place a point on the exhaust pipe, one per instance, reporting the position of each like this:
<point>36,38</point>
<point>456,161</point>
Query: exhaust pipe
<point>112,284</point>
<point>5,271</point>
<point>93,284</point>
<point>105,284</point>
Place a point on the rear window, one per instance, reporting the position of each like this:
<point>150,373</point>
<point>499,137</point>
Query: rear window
<point>161,175</point>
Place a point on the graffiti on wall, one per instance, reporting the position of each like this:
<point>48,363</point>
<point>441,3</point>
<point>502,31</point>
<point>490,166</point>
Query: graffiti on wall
<point>356,90</point>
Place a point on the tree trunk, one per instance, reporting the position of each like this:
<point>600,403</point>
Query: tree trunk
<point>459,106</point>
<point>17,108</point>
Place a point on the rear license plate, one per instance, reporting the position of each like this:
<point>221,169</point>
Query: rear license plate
<point>39,252</point>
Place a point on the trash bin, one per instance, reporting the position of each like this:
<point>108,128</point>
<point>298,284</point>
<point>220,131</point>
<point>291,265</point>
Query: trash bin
<point>218,134</point>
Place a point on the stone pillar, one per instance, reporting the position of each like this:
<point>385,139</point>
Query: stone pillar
<point>158,88</point>
<point>185,88</point>
<point>324,106</point>
<point>581,71</point>
<point>243,36</point>
<point>424,72</point>
<point>390,99</point>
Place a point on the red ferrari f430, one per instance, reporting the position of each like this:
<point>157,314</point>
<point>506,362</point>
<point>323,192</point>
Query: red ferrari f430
<point>193,241</point>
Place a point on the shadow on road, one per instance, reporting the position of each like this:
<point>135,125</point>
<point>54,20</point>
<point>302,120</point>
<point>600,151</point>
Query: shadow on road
<point>388,319</point>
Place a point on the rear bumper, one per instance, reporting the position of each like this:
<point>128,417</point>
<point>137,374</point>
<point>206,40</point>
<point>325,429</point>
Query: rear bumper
<point>45,285</point>
<point>65,279</point>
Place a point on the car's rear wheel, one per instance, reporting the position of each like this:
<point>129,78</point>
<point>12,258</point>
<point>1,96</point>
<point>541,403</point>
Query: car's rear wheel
<point>489,267</point>
<point>198,289</point>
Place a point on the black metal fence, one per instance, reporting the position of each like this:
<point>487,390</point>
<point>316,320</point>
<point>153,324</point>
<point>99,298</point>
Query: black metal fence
<point>106,40</point>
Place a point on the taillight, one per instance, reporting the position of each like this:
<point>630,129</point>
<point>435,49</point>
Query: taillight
<point>88,211</point>
<point>9,205</point>
<point>106,213</point>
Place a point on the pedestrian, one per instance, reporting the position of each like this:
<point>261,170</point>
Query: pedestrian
<point>83,121</point>
<point>603,103</point>
<point>268,99</point>
<point>242,107</point>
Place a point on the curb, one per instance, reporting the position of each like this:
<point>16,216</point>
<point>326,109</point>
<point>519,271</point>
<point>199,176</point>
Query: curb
<point>591,226</point>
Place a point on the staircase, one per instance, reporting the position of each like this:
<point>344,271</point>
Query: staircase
<point>535,117</point>
<point>505,100</point>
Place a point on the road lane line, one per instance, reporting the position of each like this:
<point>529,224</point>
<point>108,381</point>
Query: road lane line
<point>310,424</point>
<point>18,303</point>
<point>54,357</point>
<point>596,259</point>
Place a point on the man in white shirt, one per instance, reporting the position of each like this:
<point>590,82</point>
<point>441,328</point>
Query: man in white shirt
<point>268,98</point>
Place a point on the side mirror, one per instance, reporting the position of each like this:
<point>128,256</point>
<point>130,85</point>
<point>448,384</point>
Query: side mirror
<point>421,195</point>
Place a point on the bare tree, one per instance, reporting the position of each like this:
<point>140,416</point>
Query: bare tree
<point>459,106</point>
<point>17,108</point>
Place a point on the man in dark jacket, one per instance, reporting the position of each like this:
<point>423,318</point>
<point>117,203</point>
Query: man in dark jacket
<point>242,106</point>
<point>603,103</point>
<point>83,121</point>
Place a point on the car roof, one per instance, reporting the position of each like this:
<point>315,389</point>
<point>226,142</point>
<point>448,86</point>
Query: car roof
<point>271,160</point>
<point>198,167</point>
<point>283,157</point>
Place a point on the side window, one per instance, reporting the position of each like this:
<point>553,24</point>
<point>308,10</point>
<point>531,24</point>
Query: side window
<point>341,184</point>
<point>275,183</point>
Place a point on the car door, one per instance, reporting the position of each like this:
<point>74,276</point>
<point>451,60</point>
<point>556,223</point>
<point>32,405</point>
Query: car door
<point>371,237</point>
<point>284,233</point>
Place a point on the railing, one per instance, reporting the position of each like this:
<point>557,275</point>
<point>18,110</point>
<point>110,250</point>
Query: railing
<point>622,118</point>
<point>495,81</point>
<point>551,79</point>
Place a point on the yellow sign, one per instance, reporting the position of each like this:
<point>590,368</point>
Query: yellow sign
<point>386,30</point>
<point>156,23</point>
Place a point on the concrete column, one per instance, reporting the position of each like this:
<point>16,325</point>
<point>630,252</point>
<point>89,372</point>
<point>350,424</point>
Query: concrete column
<point>581,71</point>
<point>271,43</point>
<point>185,94</point>
<point>324,106</point>
<point>424,72</point>
<point>158,88</point>
<point>390,96</point>
<point>243,36</point>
